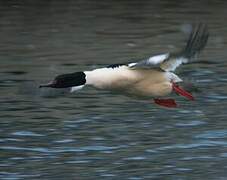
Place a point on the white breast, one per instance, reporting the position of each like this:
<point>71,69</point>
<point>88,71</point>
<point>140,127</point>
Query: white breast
<point>111,78</point>
<point>139,82</point>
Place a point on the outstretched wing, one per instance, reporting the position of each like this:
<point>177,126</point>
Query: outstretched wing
<point>169,62</point>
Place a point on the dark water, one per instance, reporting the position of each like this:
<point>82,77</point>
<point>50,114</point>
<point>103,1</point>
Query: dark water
<point>47,134</point>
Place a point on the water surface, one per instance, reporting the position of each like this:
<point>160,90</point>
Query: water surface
<point>48,134</point>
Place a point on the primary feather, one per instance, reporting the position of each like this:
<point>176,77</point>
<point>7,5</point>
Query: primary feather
<point>169,62</point>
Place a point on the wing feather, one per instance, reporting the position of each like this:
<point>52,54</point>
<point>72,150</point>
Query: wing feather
<point>196,42</point>
<point>169,62</point>
<point>153,61</point>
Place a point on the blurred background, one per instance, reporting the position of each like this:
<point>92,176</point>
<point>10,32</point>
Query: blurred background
<point>50,134</point>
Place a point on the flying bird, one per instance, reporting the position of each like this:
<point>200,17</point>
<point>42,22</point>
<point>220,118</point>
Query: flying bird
<point>153,77</point>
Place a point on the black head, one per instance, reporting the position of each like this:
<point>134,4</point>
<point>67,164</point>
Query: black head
<point>67,80</point>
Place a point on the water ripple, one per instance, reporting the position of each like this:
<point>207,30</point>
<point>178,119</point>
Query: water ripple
<point>213,134</point>
<point>199,144</point>
<point>27,133</point>
<point>198,158</point>
<point>136,158</point>
<point>62,150</point>
<point>191,123</point>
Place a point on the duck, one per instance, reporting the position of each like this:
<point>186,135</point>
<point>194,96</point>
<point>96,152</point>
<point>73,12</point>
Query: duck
<point>152,77</point>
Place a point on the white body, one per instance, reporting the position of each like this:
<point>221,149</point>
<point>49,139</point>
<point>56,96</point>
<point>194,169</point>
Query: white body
<point>137,82</point>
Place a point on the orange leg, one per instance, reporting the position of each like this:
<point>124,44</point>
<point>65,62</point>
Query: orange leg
<point>170,103</point>
<point>182,92</point>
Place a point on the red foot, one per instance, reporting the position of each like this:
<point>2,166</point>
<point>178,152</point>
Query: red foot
<point>170,103</point>
<point>182,92</point>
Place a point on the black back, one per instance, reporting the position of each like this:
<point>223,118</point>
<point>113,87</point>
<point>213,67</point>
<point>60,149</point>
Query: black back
<point>115,65</point>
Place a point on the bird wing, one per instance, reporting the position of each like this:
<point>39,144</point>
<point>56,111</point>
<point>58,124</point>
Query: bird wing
<point>169,62</point>
<point>151,62</point>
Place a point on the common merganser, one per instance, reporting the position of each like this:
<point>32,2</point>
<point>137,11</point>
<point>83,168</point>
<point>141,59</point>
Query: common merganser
<point>150,78</point>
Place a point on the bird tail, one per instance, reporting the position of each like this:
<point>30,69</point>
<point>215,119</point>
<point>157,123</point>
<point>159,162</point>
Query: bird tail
<point>196,42</point>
